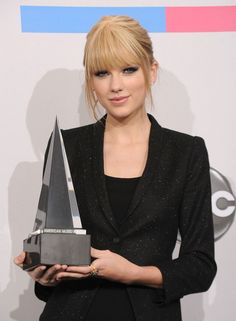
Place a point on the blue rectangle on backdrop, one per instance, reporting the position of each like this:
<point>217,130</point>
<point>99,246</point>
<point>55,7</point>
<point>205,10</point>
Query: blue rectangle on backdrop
<point>52,19</point>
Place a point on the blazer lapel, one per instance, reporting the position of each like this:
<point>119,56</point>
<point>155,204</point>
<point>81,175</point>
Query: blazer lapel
<point>152,164</point>
<point>98,172</point>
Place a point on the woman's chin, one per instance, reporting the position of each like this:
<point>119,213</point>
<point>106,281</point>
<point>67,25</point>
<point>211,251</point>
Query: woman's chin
<point>122,113</point>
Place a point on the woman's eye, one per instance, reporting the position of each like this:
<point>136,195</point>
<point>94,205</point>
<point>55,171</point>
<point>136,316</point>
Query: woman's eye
<point>130,70</point>
<point>101,73</point>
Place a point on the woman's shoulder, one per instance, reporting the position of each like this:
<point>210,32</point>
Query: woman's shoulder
<point>77,130</point>
<point>77,140</point>
<point>175,138</point>
<point>81,132</point>
<point>179,136</point>
<point>183,141</point>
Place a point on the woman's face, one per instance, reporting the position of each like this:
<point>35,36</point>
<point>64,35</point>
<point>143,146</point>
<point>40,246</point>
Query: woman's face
<point>122,91</point>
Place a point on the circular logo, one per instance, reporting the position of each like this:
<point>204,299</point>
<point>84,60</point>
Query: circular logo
<point>223,203</point>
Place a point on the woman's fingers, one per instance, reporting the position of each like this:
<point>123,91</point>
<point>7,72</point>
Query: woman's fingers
<point>18,260</point>
<point>38,272</point>
<point>75,272</point>
<point>52,272</point>
<point>52,275</point>
<point>47,277</point>
<point>71,275</point>
<point>79,269</point>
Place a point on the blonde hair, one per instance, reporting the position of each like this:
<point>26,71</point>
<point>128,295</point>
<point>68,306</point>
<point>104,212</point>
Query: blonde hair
<point>114,42</point>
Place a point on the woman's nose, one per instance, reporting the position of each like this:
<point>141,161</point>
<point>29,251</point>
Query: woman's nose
<point>116,83</point>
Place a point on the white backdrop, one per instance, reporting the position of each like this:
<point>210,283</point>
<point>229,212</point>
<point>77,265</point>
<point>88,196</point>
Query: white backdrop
<point>42,75</point>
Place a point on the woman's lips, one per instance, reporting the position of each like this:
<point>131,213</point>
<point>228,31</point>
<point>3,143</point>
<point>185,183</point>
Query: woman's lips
<point>119,100</point>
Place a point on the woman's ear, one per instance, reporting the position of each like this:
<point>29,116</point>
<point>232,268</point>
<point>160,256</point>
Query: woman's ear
<point>154,69</point>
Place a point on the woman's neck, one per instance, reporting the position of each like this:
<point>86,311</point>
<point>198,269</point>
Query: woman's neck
<point>130,130</point>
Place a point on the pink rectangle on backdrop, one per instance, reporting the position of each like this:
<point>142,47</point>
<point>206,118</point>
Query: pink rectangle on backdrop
<point>201,19</point>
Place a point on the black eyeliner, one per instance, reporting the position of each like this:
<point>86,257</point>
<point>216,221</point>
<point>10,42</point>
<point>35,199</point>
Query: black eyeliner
<point>100,72</point>
<point>131,69</point>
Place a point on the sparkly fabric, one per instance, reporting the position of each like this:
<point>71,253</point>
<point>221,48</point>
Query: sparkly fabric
<point>172,194</point>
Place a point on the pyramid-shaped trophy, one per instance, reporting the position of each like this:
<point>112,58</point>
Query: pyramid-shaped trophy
<point>58,236</point>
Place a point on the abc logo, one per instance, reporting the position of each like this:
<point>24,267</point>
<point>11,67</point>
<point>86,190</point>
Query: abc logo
<point>223,203</point>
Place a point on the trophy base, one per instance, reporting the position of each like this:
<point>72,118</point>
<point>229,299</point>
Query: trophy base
<point>49,248</point>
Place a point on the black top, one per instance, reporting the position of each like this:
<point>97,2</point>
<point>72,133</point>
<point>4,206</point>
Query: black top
<point>120,192</point>
<point>111,301</point>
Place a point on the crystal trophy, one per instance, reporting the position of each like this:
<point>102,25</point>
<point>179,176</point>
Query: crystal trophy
<point>58,236</point>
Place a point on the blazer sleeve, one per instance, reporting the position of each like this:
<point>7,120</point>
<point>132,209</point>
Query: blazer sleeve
<point>42,292</point>
<point>195,268</point>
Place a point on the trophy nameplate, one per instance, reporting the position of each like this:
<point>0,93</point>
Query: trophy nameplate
<point>58,236</point>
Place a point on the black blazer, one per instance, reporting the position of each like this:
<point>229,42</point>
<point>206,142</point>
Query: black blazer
<point>173,194</point>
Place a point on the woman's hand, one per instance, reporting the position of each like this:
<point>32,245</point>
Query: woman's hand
<point>43,275</point>
<point>113,266</point>
<point>106,265</point>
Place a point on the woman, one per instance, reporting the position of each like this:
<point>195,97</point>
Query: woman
<point>139,184</point>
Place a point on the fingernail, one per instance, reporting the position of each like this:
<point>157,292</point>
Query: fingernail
<point>43,268</point>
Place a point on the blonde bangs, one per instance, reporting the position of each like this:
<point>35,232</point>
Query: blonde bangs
<point>112,51</point>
